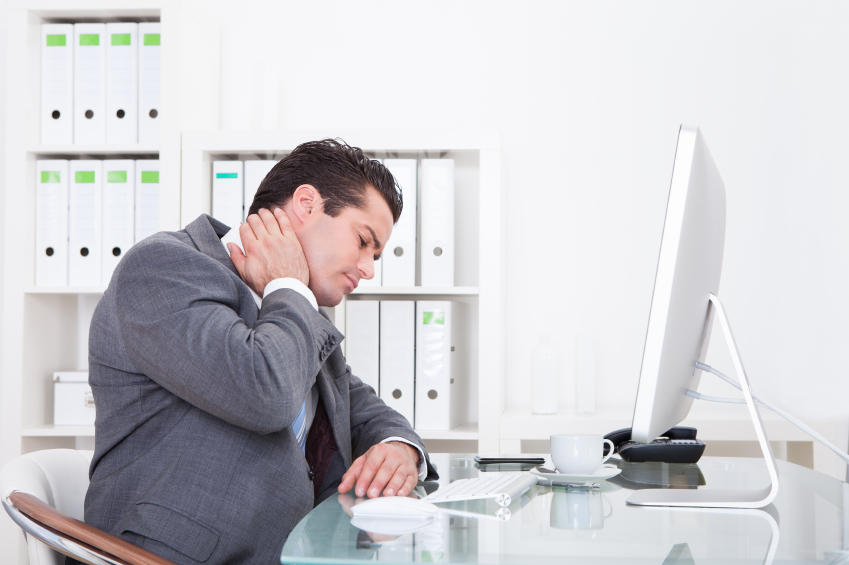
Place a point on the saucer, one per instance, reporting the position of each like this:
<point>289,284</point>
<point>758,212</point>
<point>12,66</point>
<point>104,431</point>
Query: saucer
<point>603,473</point>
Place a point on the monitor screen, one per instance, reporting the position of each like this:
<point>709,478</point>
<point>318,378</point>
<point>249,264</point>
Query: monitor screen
<point>688,271</point>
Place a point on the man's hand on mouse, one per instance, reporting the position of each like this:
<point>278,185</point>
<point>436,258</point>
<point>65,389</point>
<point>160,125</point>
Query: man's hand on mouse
<point>272,251</point>
<point>391,468</point>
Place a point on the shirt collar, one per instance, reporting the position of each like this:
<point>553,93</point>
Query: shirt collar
<point>233,236</point>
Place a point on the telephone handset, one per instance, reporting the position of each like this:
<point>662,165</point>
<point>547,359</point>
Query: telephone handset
<point>678,445</point>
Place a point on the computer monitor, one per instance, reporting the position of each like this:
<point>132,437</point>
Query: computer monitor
<point>684,304</point>
<point>688,271</point>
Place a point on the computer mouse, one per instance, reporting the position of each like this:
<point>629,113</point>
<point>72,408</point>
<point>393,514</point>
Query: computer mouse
<point>395,507</point>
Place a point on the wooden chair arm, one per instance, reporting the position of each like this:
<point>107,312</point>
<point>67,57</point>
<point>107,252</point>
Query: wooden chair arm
<point>82,532</point>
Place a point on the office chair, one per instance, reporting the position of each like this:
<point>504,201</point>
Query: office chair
<point>44,494</point>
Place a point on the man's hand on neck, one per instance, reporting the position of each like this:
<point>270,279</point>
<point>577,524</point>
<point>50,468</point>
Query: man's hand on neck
<point>272,251</point>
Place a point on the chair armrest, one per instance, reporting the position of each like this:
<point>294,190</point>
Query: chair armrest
<point>78,531</point>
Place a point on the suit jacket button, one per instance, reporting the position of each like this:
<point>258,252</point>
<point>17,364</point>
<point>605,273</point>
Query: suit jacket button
<point>332,339</point>
<point>312,472</point>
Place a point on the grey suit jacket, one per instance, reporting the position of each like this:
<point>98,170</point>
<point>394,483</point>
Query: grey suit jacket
<point>196,390</point>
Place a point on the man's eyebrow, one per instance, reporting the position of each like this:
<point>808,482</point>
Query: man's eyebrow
<point>373,236</point>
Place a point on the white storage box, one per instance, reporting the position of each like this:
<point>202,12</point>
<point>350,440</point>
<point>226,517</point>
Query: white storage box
<point>73,403</point>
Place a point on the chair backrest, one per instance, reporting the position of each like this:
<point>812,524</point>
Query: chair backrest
<point>44,494</point>
<point>58,477</point>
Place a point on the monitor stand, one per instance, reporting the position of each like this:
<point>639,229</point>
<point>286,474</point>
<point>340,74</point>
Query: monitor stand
<point>722,498</point>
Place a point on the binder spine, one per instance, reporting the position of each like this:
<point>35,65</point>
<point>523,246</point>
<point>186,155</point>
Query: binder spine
<point>149,82</point>
<point>362,334</point>
<point>228,192</point>
<point>437,222</point>
<point>399,257</point>
<point>51,239</point>
<point>118,213</point>
<point>57,84</point>
<point>89,83</point>
<point>122,75</point>
<point>397,356</point>
<point>147,198</point>
<point>85,232</point>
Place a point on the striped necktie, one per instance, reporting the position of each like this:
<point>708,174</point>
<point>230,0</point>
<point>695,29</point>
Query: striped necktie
<point>299,426</point>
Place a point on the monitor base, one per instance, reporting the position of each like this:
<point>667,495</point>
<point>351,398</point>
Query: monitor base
<point>722,498</point>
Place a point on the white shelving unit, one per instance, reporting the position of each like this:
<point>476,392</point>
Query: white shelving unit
<point>45,329</point>
<point>478,221</point>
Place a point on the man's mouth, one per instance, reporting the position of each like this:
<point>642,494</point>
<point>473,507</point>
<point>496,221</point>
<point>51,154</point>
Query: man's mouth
<point>354,282</point>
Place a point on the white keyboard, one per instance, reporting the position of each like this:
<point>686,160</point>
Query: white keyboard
<point>504,488</point>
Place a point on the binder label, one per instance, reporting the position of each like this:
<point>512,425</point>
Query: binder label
<point>151,39</point>
<point>116,176</point>
<point>49,176</point>
<point>84,177</point>
<point>56,40</point>
<point>226,175</point>
<point>89,39</point>
<point>150,177</point>
<point>433,318</point>
<point>120,39</point>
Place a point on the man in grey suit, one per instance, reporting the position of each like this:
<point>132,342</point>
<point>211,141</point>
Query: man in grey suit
<point>225,409</point>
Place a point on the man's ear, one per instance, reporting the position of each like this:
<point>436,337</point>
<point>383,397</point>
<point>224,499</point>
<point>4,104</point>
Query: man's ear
<point>306,203</point>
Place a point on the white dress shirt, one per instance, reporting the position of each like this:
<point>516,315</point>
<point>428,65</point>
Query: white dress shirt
<point>233,236</point>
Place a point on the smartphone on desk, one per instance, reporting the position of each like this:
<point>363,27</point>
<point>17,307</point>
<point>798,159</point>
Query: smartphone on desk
<point>508,459</point>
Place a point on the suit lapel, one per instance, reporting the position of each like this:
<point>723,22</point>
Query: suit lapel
<point>207,232</point>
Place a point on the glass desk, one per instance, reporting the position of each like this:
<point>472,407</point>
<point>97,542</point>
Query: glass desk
<point>805,524</point>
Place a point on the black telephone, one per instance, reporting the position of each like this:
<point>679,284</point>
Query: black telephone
<point>678,445</point>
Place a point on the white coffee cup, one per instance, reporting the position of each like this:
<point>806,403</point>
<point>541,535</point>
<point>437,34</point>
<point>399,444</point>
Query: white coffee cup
<point>578,454</point>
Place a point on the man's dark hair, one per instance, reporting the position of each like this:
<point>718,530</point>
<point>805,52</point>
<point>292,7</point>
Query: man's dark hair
<point>341,173</point>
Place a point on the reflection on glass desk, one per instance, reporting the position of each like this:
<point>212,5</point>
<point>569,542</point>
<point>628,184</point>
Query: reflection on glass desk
<point>805,524</point>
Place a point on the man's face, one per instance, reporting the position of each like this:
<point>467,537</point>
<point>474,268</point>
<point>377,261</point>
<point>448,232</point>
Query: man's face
<point>340,251</point>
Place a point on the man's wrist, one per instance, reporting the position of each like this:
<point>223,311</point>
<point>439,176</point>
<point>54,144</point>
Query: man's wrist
<point>411,451</point>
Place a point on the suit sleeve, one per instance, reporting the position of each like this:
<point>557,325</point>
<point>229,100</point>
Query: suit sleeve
<point>179,323</point>
<point>372,421</point>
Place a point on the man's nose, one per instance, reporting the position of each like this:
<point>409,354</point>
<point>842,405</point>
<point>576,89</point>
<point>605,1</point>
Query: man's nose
<point>366,268</point>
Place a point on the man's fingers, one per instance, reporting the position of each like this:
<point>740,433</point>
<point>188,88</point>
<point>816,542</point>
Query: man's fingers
<point>284,223</point>
<point>396,483</point>
<point>409,485</point>
<point>382,477</point>
<point>373,463</point>
<point>351,474</point>
<point>269,221</point>
<point>257,227</point>
<point>238,258</point>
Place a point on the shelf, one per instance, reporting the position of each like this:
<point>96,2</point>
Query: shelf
<point>718,422</point>
<point>132,149</point>
<point>418,290</point>
<point>463,431</point>
<point>272,141</point>
<point>65,290</point>
<point>58,431</point>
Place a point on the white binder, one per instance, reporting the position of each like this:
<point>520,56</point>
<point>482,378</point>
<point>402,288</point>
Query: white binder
<point>228,190</point>
<point>398,355</point>
<point>147,198</point>
<point>438,367</point>
<point>377,279</point>
<point>119,203</point>
<point>51,223</point>
<point>122,76</point>
<point>90,83</point>
<point>399,256</point>
<point>85,237</point>
<point>437,222</point>
<point>149,77</point>
<point>255,172</point>
<point>57,83</point>
<point>362,335</point>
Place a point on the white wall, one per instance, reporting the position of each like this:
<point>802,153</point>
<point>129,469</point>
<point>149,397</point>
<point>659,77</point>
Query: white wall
<point>588,97</point>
